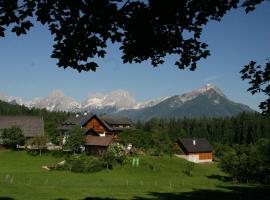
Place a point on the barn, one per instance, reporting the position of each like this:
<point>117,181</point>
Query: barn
<point>31,126</point>
<point>196,150</point>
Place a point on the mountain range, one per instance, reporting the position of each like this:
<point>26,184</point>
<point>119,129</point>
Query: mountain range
<point>208,101</point>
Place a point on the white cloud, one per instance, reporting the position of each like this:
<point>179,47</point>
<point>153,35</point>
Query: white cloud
<point>210,79</point>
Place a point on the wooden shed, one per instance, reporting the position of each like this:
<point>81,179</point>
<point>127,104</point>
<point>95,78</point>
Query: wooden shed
<point>97,145</point>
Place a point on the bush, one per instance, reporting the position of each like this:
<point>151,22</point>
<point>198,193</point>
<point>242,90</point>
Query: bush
<point>58,153</point>
<point>78,166</point>
<point>248,163</point>
<point>189,169</point>
<point>32,152</point>
<point>154,152</point>
<point>12,137</point>
<point>116,153</point>
<point>84,164</point>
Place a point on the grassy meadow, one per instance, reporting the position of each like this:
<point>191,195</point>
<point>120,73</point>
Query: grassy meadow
<point>22,177</point>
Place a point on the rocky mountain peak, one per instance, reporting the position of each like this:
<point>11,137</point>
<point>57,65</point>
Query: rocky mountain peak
<point>122,102</point>
<point>57,93</point>
<point>210,87</point>
<point>207,89</point>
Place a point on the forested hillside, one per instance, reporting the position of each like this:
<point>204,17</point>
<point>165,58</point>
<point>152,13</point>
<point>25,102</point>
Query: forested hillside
<point>246,128</point>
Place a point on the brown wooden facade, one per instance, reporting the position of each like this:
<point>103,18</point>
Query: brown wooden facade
<point>206,156</point>
<point>98,126</point>
<point>95,125</point>
<point>96,150</point>
<point>203,155</point>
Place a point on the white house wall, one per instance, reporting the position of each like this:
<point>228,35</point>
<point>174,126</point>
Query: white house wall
<point>194,158</point>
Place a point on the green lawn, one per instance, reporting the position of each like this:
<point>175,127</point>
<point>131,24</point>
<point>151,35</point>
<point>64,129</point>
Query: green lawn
<point>21,177</point>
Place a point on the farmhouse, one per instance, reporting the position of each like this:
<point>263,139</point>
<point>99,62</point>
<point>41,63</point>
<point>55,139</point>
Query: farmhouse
<point>196,150</point>
<point>100,130</point>
<point>31,126</point>
<point>101,125</point>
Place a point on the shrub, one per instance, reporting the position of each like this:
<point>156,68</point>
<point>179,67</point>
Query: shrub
<point>84,164</point>
<point>189,169</point>
<point>32,152</point>
<point>116,153</point>
<point>58,153</point>
<point>248,163</point>
<point>78,166</point>
<point>154,152</point>
<point>12,137</point>
<point>75,139</point>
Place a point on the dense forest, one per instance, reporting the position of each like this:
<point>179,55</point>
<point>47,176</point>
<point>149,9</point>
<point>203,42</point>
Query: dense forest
<point>245,128</point>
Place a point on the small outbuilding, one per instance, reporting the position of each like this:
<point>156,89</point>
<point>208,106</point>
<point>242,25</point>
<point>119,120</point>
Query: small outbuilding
<point>196,150</point>
<point>97,145</point>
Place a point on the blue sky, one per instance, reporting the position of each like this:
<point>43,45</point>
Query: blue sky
<point>26,69</point>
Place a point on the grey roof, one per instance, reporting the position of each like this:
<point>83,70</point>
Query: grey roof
<point>30,125</point>
<point>108,119</point>
<point>76,119</point>
<point>201,145</point>
<point>115,119</point>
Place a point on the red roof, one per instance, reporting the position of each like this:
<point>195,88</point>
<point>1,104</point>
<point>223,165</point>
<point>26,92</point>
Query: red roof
<point>98,140</point>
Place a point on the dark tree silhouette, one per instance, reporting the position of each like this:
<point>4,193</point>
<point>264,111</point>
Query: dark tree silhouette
<point>259,77</point>
<point>146,30</point>
<point>259,80</point>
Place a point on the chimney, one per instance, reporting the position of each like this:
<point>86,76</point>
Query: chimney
<point>194,142</point>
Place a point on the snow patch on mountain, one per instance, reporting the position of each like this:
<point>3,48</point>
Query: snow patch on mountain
<point>114,101</point>
<point>56,101</point>
<point>216,101</point>
<point>11,99</point>
<point>120,99</point>
<point>149,103</point>
<point>195,93</point>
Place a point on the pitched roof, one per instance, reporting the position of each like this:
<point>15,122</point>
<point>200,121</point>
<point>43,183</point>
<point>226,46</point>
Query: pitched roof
<point>115,119</point>
<point>30,125</point>
<point>108,121</point>
<point>76,119</point>
<point>200,145</point>
<point>89,117</point>
<point>98,140</point>
<point>73,120</point>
